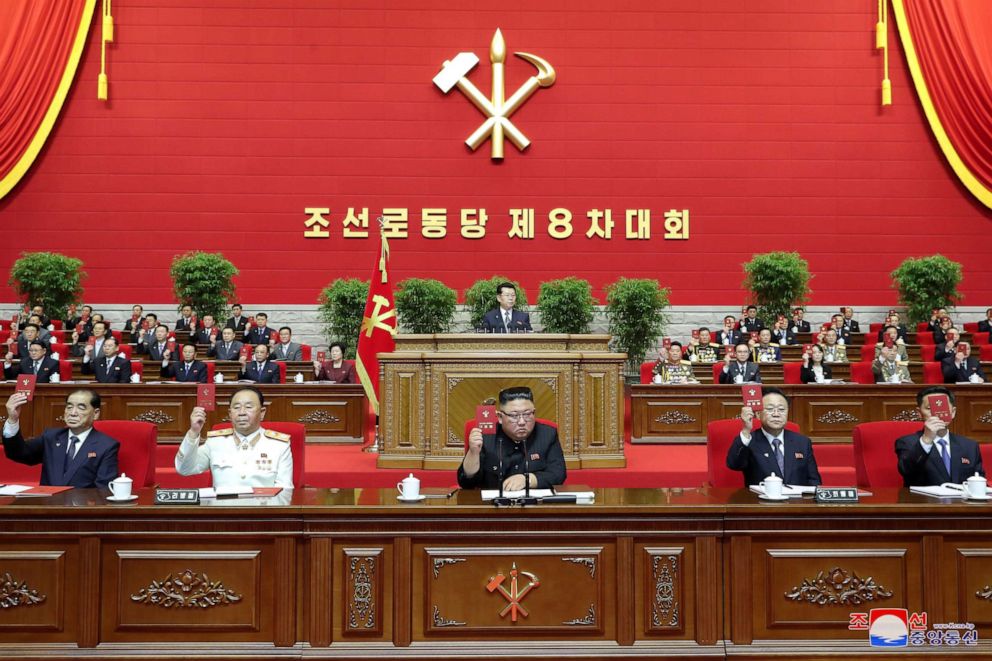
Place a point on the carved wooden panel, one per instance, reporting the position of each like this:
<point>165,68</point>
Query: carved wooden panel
<point>664,604</point>
<point>328,415</point>
<point>199,591</point>
<point>677,417</point>
<point>804,589</point>
<point>35,596</point>
<point>970,574</point>
<point>557,592</point>
<point>169,416</point>
<point>362,592</point>
<point>833,417</point>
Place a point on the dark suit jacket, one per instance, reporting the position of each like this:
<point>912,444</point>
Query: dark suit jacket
<point>921,469</point>
<point>493,321</point>
<point>152,351</point>
<point>220,353</point>
<point>750,325</point>
<point>788,339</point>
<point>177,370</point>
<point>94,465</point>
<point>954,374</point>
<point>545,460</point>
<point>202,336</point>
<point>119,372</point>
<point>268,374</point>
<point>735,337</point>
<point>750,372</point>
<point>900,332</point>
<point>183,324</point>
<point>238,325</point>
<point>984,326</point>
<point>852,326</point>
<point>258,335</point>
<point>806,374</point>
<point>801,327</point>
<point>49,366</point>
<point>757,460</point>
<point>131,326</point>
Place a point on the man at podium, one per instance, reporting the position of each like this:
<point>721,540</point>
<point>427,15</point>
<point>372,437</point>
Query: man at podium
<point>505,319</point>
<point>521,448</point>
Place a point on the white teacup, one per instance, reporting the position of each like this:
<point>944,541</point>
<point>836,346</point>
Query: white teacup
<point>409,487</point>
<point>772,486</point>
<point>975,486</point>
<point>298,378</point>
<point>218,378</point>
<point>121,487</point>
<point>135,378</point>
<point>56,378</point>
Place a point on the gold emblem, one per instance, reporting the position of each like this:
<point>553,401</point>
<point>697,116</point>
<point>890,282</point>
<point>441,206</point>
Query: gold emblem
<point>515,594</point>
<point>377,318</point>
<point>498,108</point>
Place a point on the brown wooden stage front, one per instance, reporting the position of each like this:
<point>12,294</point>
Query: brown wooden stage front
<point>826,413</point>
<point>355,574</point>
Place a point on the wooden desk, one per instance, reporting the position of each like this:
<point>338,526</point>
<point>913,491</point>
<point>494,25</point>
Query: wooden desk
<point>431,385</point>
<point>331,412</point>
<point>826,413</point>
<point>354,574</point>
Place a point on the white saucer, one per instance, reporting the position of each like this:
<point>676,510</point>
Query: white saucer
<point>115,499</point>
<point>977,498</point>
<point>411,500</point>
<point>763,496</point>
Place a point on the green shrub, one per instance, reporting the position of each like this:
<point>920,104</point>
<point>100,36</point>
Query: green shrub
<point>342,306</point>
<point>480,298</point>
<point>48,279</point>
<point>927,283</point>
<point>425,305</point>
<point>777,282</point>
<point>636,311</point>
<point>204,280</point>
<point>566,306</point>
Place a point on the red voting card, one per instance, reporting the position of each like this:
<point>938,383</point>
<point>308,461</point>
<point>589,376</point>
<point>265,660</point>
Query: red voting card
<point>79,328</point>
<point>807,348</point>
<point>171,345</point>
<point>213,332</point>
<point>940,406</point>
<point>825,327</point>
<point>892,312</point>
<point>321,356</point>
<point>666,343</point>
<point>962,347</point>
<point>889,342</point>
<point>91,341</point>
<point>206,396</point>
<point>695,333</point>
<point>192,321</point>
<point>752,397</point>
<point>728,350</point>
<point>246,352</point>
<point>754,335</point>
<point>273,334</point>
<point>26,384</point>
<point>485,419</point>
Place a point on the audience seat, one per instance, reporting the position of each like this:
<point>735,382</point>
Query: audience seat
<point>282,371</point>
<point>861,372</point>
<point>137,367</point>
<point>65,369</point>
<point>979,338</point>
<point>932,373</point>
<point>970,327</point>
<point>791,373</point>
<point>126,349</point>
<point>297,444</point>
<point>118,335</point>
<point>922,326</point>
<point>137,454</point>
<point>306,352</point>
<point>57,324</point>
<point>985,351</point>
<point>720,434</point>
<point>924,338</point>
<point>927,352</point>
<point>868,351</point>
<point>875,461</point>
<point>874,328</point>
<point>717,370</point>
<point>61,349</point>
<point>211,370</point>
<point>58,335</point>
<point>647,371</point>
<point>4,335</point>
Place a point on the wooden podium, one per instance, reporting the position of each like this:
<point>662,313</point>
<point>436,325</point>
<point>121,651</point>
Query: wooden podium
<point>431,384</point>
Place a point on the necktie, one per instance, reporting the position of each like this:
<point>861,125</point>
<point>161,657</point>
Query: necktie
<point>945,455</point>
<point>779,457</point>
<point>70,451</point>
<point>37,366</point>
<point>187,369</point>
<point>506,319</point>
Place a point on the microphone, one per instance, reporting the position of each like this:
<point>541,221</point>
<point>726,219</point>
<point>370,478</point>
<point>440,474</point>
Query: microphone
<point>527,499</point>
<point>501,500</point>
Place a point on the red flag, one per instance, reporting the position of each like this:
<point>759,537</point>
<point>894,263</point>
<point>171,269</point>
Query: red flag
<point>378,325</point>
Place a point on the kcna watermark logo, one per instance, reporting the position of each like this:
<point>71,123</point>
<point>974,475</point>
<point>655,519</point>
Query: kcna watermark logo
<point>897,627</point>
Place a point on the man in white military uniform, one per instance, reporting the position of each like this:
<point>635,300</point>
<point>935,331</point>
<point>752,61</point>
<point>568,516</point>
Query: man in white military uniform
<point>246,455</point>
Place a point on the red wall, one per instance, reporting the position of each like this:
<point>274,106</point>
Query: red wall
<point>761,117</point>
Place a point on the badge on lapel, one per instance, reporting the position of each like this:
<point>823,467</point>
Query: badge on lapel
<point>91,455</point>
<point>535,456</point>
<point>799,455</point>
<point>964,460</point>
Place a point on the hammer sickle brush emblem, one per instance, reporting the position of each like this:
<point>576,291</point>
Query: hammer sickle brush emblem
<point>498,108</point>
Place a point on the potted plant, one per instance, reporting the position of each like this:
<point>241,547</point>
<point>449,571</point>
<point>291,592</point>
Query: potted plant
<point>341,308</point>
<point>425,305</point>
<point>777,282</point>
<point>480,298</point>
<point>566,305</point>
<point>48,279</point>
<point>927,283</point>
<point>204,280</point>
<point>636,312</point>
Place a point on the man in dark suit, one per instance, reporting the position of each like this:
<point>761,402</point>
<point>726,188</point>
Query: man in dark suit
<point>260,333</point>
<point>133,325</point>
<point>187,370</point>
<point>850,324</point>
<point>954,459</point>
<point>98,331</point>
<point>187,321</point>
<point>522,451</point>
<point>285,348</point>
<point>76,455</point>
<point>37,362</point>
<point>961,366</point>
<point>750,322</point>
<point>799,325</point>
<point>781,332</point>
<point>505,319</point>
<point>936,317</point>
<point>985,325</point>
<point>227,348</point>
<point>237,321</point>
<point>156,348</point>
<point>261,369</point>
<point>31,333</point>
<point>772,449</point>
<point>729,336</point>
<point>740,369</point>
<point>111,367</point>
<point>843,333</point>
<point>208,330</point>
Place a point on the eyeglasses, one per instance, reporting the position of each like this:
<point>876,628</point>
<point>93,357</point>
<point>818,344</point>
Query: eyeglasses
<point>517,417</point>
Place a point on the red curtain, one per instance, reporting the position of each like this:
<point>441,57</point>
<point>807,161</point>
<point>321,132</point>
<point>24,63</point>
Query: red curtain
<point>948,44</point>
<point>40,42</point>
